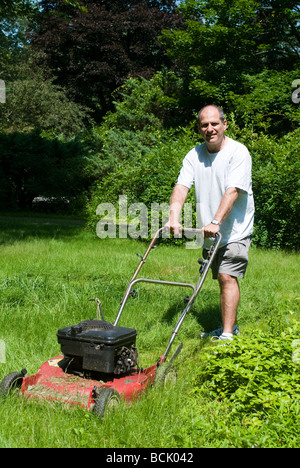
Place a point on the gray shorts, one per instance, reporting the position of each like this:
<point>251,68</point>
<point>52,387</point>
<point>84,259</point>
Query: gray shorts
<point>232,259</point>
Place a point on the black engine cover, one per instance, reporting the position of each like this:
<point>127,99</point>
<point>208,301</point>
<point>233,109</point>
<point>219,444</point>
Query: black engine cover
<point>101,346</point>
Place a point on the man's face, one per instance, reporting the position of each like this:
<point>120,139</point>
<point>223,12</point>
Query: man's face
<point>212,128</point>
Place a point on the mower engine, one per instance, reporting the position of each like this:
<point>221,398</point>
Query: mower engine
<point>98,346</point>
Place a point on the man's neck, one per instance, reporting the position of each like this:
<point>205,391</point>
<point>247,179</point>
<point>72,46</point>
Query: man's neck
<point>218,147</point>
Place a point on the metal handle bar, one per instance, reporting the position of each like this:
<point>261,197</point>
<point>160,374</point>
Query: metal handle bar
<point>143,260</point>
<point>134,279</point>
<point>153,241</point>
<point>203,273</point>
<point>146,280</point>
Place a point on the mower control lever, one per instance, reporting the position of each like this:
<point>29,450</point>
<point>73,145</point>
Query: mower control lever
<point>99,309</point>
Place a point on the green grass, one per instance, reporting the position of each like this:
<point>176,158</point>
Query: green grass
<point>49,270</point>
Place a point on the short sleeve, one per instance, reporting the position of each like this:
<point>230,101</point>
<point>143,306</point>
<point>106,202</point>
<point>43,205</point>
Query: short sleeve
<point>187,174</point>
<point>239,170</point>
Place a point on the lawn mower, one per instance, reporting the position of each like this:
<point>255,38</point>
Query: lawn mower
<point>98,364</point>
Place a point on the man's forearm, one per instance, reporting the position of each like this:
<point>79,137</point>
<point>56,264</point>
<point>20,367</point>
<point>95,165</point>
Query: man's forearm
<point>177,201</point>
<point>226,204</point>
<point>223,211</point>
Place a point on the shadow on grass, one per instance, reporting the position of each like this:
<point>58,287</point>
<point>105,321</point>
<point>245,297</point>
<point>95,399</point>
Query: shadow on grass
<point>19,228</point>
<point>206,312</point>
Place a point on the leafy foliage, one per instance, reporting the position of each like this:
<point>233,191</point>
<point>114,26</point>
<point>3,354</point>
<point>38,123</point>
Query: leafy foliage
<point>14,17</point>
<point>266,102</point>
<point>34,102</point>
<point>93,51</point>
<point>141,159</point>
<point>225,42</point>
<point>144,157</point>
<point>276,169</point>
<point>241,54</point>
<point>226,38</point>
<point>253,373</point>
<point>33,165</point>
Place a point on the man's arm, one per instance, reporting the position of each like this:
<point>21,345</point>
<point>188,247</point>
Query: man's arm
<point>177,201</point>
<point>223,211</point>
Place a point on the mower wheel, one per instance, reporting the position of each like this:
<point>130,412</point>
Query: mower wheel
<point>10,382</point>
<point>166,376</point>
<point>107,400</point>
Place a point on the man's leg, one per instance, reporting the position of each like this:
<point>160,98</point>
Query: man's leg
<point>229,300</point>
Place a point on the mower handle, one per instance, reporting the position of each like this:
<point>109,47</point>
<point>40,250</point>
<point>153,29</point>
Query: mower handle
<point>159,232</point>
<point>196,288</point>
<point>143,258</point>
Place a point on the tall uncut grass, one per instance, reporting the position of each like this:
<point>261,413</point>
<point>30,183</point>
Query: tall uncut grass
<point>50,270</point>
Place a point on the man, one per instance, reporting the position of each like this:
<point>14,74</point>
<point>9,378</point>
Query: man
<point>220,168</point>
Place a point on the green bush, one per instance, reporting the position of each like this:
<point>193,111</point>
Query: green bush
<point>34,102</point>
<point>254,373</point>
<point>147,177</point>
<point>139,158</point>
<point>149,174</point>
<point>35,165</point>
<point>266,102</point>
<point>276,185</point>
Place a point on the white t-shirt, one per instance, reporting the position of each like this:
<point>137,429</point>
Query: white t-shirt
<point>213,174</point>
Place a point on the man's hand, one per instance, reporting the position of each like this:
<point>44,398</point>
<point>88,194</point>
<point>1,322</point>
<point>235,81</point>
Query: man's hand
<point>173,227</point>
<point>210,230</point>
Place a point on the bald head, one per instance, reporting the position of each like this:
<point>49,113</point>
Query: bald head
<point>219,109</point>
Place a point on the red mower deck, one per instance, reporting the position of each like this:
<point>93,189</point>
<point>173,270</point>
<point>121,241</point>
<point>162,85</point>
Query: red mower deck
<point>52,383</point>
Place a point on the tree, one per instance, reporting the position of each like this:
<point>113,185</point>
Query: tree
<point>239,34</point>
<point>93,50</point>
<point>33,101</point>
<point>267,102</point>
<point>14,17</point>
<point>225,40</point>
<point>33,165</point>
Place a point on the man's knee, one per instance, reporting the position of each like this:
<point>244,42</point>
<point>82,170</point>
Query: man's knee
<point>226,280</point>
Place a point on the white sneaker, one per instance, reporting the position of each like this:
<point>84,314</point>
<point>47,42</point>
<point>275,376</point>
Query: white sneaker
<point>218,332</point>
<point>222,341</point>
<point>221,338</point>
